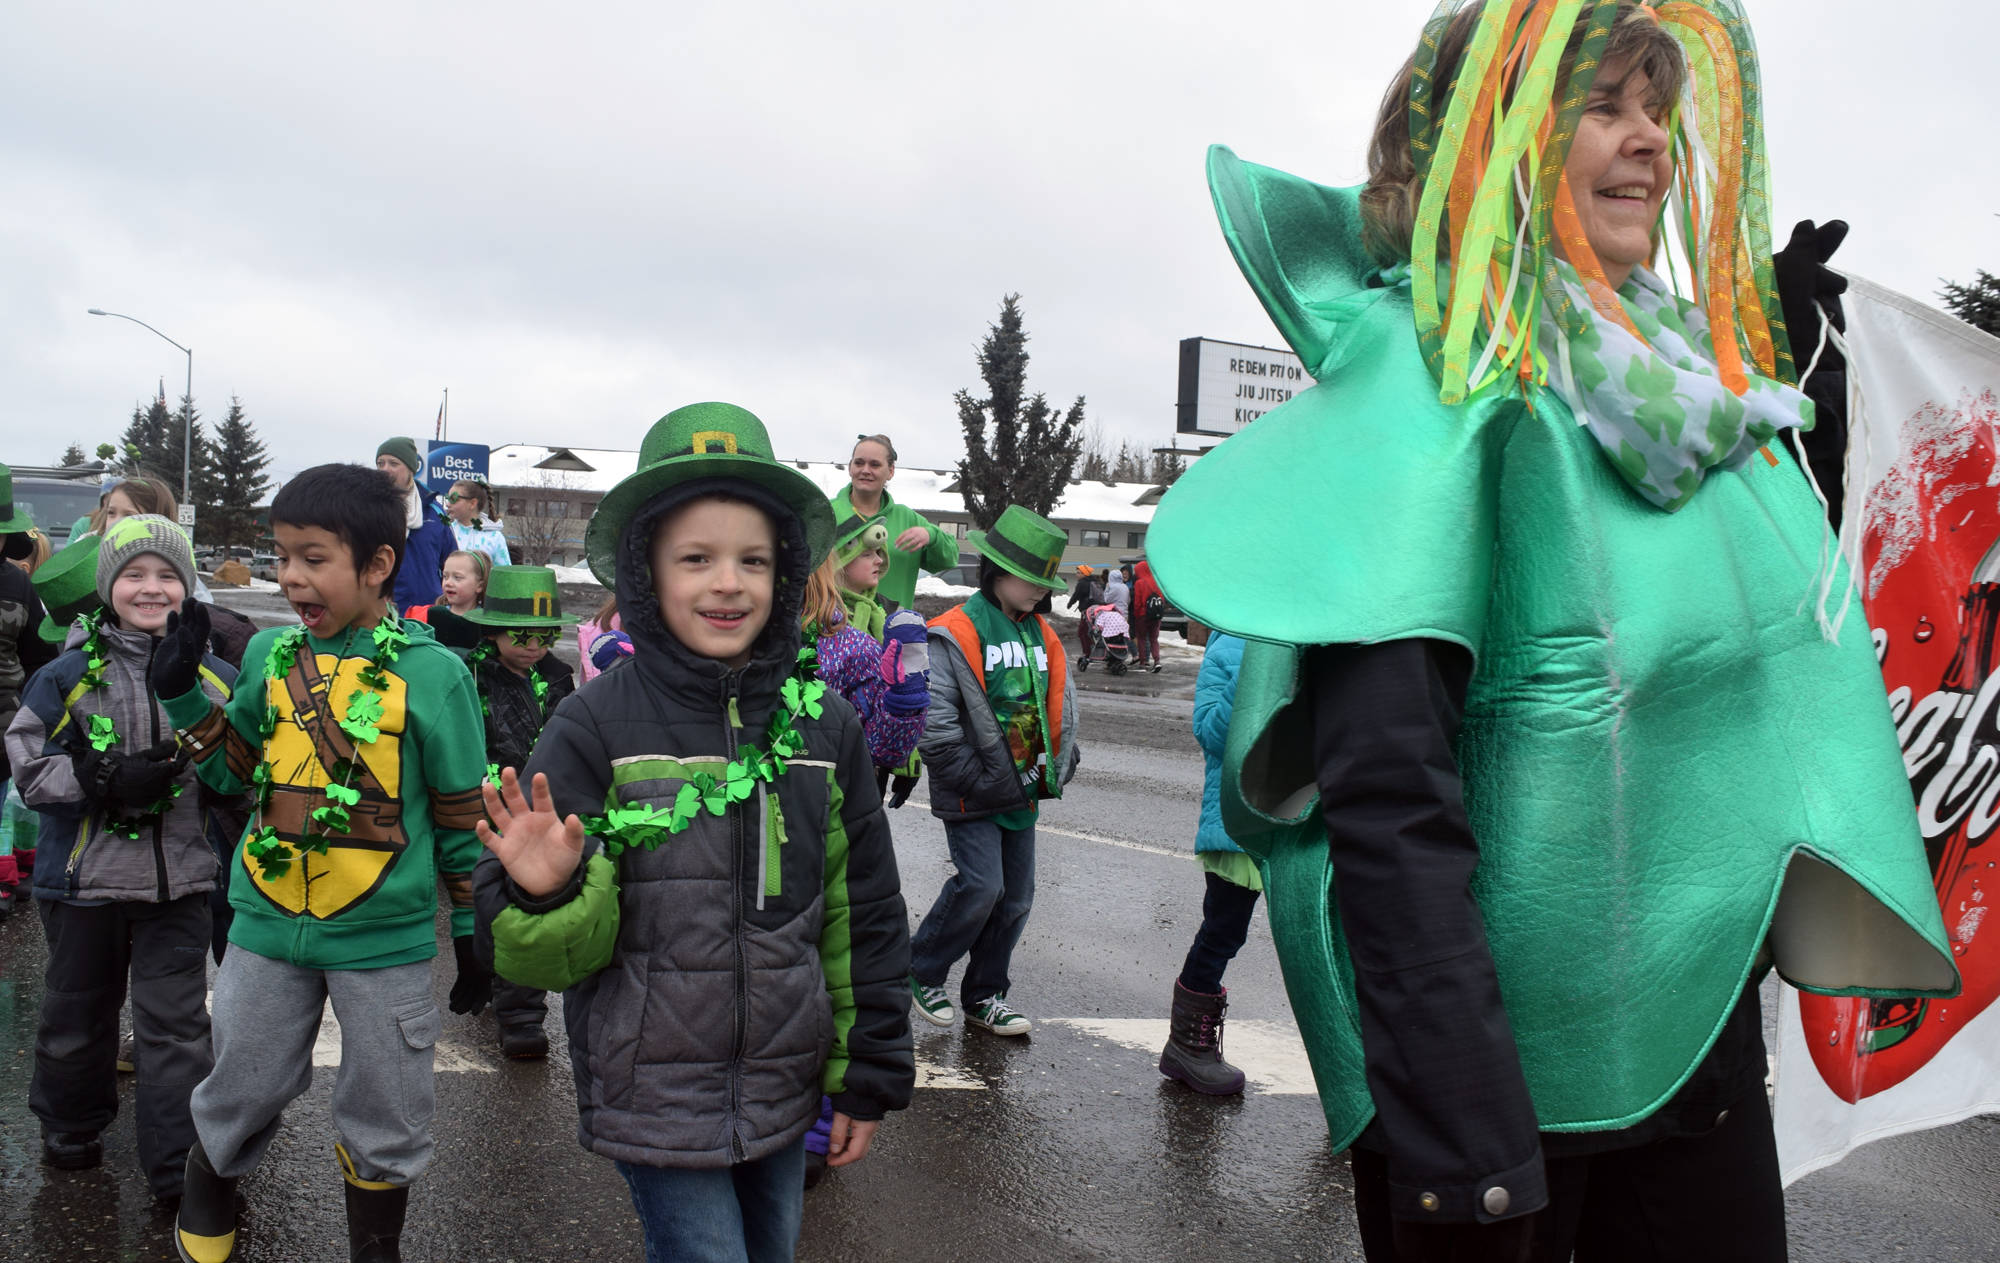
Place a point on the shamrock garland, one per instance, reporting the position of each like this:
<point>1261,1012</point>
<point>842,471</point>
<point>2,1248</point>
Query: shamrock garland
<point>484,653</point>
<point>103,732</point>
<point>360,721</point>
<point>640,826</point>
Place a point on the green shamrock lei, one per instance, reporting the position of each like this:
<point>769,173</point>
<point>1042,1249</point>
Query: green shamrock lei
<point>484,653</point>
<point>102,732</point>
<point>623,828</point>
<point>273,854</point>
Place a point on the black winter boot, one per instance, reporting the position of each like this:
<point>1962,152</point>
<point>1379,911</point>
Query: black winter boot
<point>374,1215</point>
<point>72,1150</point>
<point>205,1229</point>
<point>1194,1045</point>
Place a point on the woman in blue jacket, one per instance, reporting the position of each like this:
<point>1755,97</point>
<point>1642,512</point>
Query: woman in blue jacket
<point>1194,1047</point>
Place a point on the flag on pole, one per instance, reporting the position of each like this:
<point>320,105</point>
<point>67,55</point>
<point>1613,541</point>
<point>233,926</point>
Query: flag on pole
<point>437,430</point>
<point>1922,534</point>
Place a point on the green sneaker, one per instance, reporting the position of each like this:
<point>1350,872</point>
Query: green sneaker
<point>995,1016</point>
<point>932,1004</point>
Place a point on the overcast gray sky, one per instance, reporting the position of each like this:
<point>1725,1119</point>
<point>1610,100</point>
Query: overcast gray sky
<point>579,220</point>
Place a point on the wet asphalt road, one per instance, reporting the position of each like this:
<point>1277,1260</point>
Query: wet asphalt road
<point>1063,1145</point>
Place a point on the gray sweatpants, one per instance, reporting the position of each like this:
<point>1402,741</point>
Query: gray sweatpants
<point>266,1016</point>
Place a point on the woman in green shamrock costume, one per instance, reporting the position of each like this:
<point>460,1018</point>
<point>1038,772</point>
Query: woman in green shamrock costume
<point>1557,741</point>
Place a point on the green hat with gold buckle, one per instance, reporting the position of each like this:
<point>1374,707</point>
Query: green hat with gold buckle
<point>1023,543</point>
<point>67,585</point>
<point>704,440</point>
<point>521,596</point>
<point>13,518</point>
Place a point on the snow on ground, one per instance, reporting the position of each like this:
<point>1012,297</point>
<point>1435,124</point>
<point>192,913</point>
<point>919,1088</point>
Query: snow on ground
<point>931,585</point>
<point>255,585</point>
<point>574,574</point>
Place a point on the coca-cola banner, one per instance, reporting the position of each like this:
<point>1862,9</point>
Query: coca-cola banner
<point>1922,533</point>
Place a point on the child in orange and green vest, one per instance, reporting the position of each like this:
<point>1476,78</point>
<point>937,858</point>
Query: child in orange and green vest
<point>999,738</point>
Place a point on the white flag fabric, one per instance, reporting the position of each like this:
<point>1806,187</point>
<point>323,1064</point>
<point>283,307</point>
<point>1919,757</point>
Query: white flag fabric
<point>1922,534</point>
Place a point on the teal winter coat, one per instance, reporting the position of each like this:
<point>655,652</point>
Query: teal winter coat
<point>1214,701</point>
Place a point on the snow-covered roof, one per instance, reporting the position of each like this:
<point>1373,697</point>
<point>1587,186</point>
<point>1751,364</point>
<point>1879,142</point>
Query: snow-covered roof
<point>519,465</point>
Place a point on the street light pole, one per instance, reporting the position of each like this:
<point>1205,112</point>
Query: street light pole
<point>187,407</point>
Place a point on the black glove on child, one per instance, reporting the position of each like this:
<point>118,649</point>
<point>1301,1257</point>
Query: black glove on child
<point>474,988</point>
<point>130,780</point>
<point>177,660</point>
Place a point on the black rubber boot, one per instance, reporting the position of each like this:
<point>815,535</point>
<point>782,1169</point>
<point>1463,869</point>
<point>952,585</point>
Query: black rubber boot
<point>374,1215</point>
<point>72,1150</point>
<point>524,1042</point>
<point>1194,1044</point>
<point>205,1229</point>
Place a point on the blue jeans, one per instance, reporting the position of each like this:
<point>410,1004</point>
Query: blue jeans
<point>748,1213</point>
<point>981,911</point>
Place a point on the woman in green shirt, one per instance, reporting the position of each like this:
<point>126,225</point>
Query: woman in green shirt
<point>913,542</point>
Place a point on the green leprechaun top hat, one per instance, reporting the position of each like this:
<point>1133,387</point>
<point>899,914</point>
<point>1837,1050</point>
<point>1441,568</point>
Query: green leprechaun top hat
<point>13,518</point>
<point>521,596</point>
<point>67,585</point>
<point>1023,543</point>
<point>857,535</point>
<point>703,440</point>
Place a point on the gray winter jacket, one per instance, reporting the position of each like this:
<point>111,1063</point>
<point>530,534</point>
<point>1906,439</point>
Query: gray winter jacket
<point>78,855</point>
<point>750,962</point>
<point>971,768</point>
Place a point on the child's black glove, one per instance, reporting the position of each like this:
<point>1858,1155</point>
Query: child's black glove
<point>474,988</point>
<point>177,660</point>
<point>900,787</point>
<point>129,780</point>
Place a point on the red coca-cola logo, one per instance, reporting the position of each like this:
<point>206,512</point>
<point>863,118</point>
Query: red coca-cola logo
<point>1931,584</point>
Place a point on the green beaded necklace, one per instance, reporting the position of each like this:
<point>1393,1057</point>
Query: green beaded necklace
<point>623,828</point>
<point>102,731</point>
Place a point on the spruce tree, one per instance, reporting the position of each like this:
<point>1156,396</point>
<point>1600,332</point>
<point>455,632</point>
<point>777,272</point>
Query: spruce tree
<point>236,478</point>
<point>1017,450</point>
<point>186,420</point>
<point>73,455</point>
<point>144,444</point>
<point>1977,304</point>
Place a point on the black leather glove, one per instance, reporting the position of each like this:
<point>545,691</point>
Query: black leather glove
<point>1806,285</point>
<point>177,661</point>
<point>1504,1241</point>
<point>900,787</point>
<point>129,780</point>
<point>474,988</point>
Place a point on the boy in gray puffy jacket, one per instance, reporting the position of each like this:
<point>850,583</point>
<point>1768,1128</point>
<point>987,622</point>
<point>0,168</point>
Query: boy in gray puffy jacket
<point>701,861</point>
<point>125,865</point>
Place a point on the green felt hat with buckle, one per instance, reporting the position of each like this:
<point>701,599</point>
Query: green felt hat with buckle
<point>67,585</point>
<point>856,535</point>
<point>13,519</point>
<point>704,440</point>
<point>1023,543</point>
<point>521,596</point>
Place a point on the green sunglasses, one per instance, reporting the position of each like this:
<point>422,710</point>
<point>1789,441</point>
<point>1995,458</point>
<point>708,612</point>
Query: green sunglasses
<point>527,636</point>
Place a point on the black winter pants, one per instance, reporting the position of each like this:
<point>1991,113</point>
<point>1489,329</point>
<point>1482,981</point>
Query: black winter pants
<point>515,1005</point>
<point>164,949</point>
<point>1225,924</point>
<point>1714,1198</point>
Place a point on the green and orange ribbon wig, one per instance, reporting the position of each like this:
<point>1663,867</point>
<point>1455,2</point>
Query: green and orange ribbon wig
<point>1490,151</point>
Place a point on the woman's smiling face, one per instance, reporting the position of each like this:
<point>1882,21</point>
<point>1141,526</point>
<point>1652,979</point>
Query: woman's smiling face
<point>1619,167</point>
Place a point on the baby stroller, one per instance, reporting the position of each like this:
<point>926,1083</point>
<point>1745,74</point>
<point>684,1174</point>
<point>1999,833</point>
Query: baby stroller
<point>1110,639</point>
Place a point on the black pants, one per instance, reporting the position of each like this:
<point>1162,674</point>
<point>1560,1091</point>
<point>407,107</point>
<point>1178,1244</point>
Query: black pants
<point>1712,1198</point>
<point>515,1005</point>
<point>1225,923</point>
<point>164,949</point>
